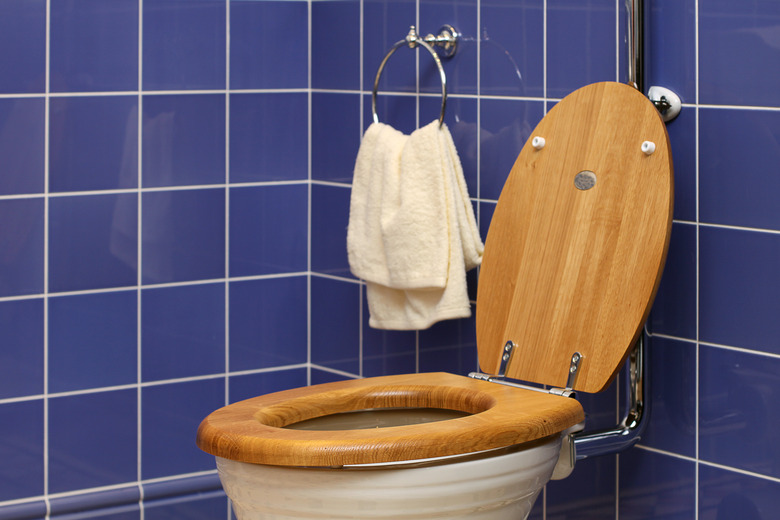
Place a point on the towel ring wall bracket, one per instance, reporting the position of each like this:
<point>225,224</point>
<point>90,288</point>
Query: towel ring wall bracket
<point>444,44</point>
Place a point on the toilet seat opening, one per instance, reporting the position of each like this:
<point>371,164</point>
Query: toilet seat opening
<point>377,418</point>
<point>374,407</point>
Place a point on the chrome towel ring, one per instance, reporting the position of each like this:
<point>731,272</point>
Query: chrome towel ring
<point>447,40</point>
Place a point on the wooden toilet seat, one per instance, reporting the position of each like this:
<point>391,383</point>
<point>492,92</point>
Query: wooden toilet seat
<point>252,430</point>
<point>572,263</point>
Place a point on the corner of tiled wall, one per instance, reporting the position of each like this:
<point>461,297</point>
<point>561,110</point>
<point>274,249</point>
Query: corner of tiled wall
<point>154,184</point>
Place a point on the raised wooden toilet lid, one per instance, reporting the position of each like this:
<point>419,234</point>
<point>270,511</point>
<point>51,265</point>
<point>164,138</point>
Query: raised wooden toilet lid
<point>578,240</point>
<point>572,263</point>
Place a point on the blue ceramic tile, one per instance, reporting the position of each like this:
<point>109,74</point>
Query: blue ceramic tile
<point>736,45</point>
<point>112,504</point>
<point>682,137</point>
<point>674,309</point>
<point>171,414</point>
<point>654,486</point>
<point>335,135</point>
<point>24,511</point>
<point>21,241</point>
<point>93,143</point>
<point>319,377</point>
<point>329,219</point>
<point>449,346</point>
<point>739,154</point>
<point>23,45</point>
<point>335,324</point>
<point>486,210</point>
<point>203,506</point>
<point>738,298</point>
<point>461,71</point>
<point>268,229</point>
<point>94,45</point>
<point>461,120</point>
<point>21,355</point>
<point>400,112</point>
<point>268,323</point>
<point>268,44</point>
<point>182,331</point>
<point>183,235</point>
<point>738,413</point>
<point>92,341</point>
<point>183,140</point>
<point>512,49</point>
<point>724,495</point>
<point>387,352</point>
<point>672,380</point>
<point>129,512</point>
<point>388,26</point>
<point>580,44</point>
<point>21,449</point>
<point>670,46</point>
<point>251,385</point>
<point>600,412</point>
<point>92,241</point>
<point>21,145</point>
<point>335,59</point>
<point>587,494</point>
<point>103,453</point>
<point>184,44</point>
<point>505,127</point>
<point>268,137</point>
<point>181,487</point>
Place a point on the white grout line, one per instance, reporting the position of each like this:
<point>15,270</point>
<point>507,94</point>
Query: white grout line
<point>309,194</point>
<point>226,294</point>
<point>698,265</point>
<point>139,267</point>
<point>695,460</point>
<point>335,371</point>
<point>46,218</point>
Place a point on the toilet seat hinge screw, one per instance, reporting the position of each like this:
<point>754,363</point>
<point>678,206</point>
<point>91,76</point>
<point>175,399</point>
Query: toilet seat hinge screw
<point>574,370</point>
<point>506,355</point>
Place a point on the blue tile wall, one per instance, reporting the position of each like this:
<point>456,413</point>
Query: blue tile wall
<point>21,359</point>
<point>93,340</point>
<point>93,143</point>
<point>23,44</point>
<point>174,192</point>
<point>101,455</point>
<point>182,322</point>
<point>22,148</point>
<point>93,48</point>
<point>183,140</point>
<point>184,44</point>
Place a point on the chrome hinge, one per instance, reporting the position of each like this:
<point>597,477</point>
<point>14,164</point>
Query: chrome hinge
<point>509,348</point>
<point>574,370</point>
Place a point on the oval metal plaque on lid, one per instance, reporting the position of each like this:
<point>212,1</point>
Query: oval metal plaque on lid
<point>572,265</point>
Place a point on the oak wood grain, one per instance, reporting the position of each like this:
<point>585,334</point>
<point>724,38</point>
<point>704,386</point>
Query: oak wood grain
<point>568,270</point>
<point>252,430</point>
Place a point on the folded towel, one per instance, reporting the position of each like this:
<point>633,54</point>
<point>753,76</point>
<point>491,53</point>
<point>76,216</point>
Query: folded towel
<point>412,233</point>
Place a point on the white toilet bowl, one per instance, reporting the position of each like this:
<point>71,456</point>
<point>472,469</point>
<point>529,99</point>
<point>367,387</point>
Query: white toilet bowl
<point>496,485</point>
<point>569,273</point>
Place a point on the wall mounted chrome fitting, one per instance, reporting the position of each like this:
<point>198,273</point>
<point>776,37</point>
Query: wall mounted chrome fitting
<point>666,101</point>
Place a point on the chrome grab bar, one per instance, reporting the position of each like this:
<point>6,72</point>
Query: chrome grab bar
<point>634,422</point>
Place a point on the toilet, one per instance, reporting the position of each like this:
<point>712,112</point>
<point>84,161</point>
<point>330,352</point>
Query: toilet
<point>572,262</point>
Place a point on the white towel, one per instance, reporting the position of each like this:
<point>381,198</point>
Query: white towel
<point>412,234</point>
